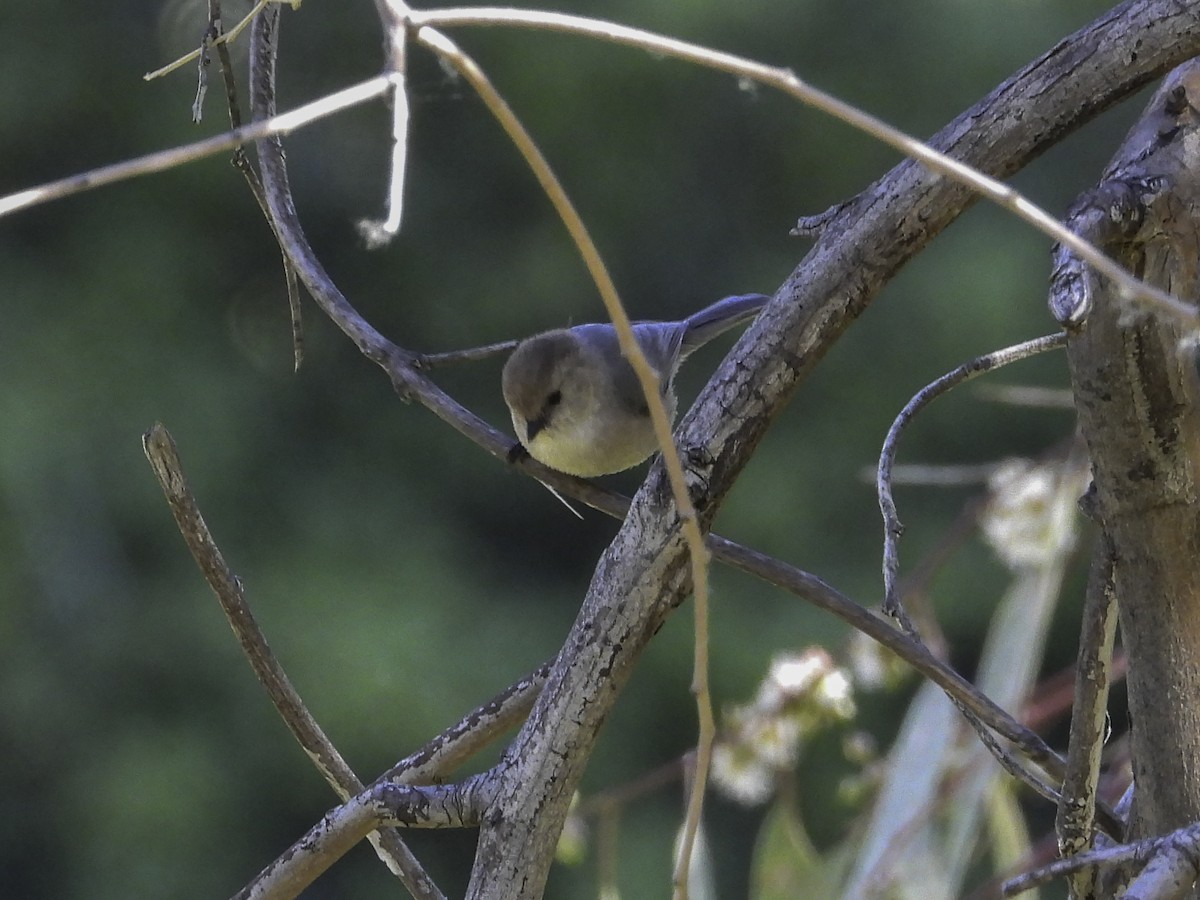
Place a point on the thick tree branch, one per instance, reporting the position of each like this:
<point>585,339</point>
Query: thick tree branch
<point>1135,384</point>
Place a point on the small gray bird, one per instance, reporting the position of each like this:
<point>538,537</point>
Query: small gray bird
<point>576,403</point>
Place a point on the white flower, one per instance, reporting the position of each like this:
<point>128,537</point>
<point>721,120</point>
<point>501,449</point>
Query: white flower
<point>792,676</point>
<point>835,694</point>
<point>775,740</point>
<point>1031,517</point>
<point>742,775</point>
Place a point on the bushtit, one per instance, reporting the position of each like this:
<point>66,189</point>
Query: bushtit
<point>576,403</point>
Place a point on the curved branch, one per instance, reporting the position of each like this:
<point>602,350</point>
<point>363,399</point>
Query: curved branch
<point>163,456</point>
<point>786,81</point>
<point>892,527</point>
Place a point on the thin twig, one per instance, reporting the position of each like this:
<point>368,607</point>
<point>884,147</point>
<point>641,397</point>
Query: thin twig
<point>471,354</point>
<point>223,39</point>
<point>1028,395</point>
<point>823,596</point>
<point>379,233</point>
<point>914,588</point>
<point>786,81</point>
<point>227,76</point>
<point>892,527</point>
<point>474,731</point>
<point>329,839</point>
<point>1138,852</point>
<point>649,381</point>
<point>242,163</point>
<point>164,459</point>
<point>826,597</point>
<point>185,153</point>
<point>212,32</point>
<point>163,456</point>
<point>1043,787</point>
<point>1093,675</point>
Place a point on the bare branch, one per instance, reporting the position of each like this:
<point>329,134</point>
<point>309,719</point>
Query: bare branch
<point>1170,873</point>
<point>892,527</point>
<point>822,595</point>
<point>164,459</point>
<point>1138,400</point>
<point>379,233</point>
<point>471,354</point>
<point>1185,842</point>
<point>441,806</point>
<point>242,163</point>
<point>205,60</point>
<point>474,731</point>
<point>177,156</point>
<point>223,39</point>
<point>786,81</point>
<point>323,845</point>
<point>1089,716</point>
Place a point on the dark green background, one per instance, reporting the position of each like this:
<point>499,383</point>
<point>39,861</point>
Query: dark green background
<point>402,575</point>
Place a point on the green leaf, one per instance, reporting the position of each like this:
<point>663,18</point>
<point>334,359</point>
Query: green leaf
<point>786,865</point>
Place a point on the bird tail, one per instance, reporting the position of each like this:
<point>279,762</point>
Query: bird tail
<point>701,327</point>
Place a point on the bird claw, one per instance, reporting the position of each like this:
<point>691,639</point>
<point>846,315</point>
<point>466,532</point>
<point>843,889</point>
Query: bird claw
<point>517,453</point>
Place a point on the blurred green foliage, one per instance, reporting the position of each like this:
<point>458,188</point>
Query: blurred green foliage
<point>402,575</point>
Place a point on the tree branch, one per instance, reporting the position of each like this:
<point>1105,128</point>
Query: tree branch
<point>177,156</point>
<point>441,806</point>
<point>1179,846</point>
<point>787,81</point>
<point>892,527</point>
<point>1089,716</point>
<point>1136,390</point>
<point>164,459</point>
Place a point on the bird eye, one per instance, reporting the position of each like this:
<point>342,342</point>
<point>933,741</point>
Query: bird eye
<point>554,399</point>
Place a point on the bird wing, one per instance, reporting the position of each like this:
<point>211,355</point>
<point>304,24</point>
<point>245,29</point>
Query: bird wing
<point>702,326</point>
